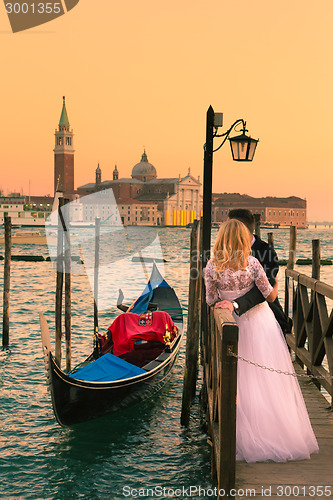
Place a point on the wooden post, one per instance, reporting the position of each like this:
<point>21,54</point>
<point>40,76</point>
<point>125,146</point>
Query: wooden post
<point>292,248</point>
<point>228,398</point>
<point>207,187</point>
<point>59,288</point>
<point>316,251</point>
<point>316,330</point>
<point>193,328</point>
<point>96,270</point>
<point>257,224</point>
<point>6,282</point>
<point>68,304</point>
<point>270,237</point>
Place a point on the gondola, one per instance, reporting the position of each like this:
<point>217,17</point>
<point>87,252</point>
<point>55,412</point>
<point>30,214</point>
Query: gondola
<point>105,383</point>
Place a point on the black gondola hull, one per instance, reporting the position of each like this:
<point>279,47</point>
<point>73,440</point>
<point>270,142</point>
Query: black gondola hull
<point>75,401</point>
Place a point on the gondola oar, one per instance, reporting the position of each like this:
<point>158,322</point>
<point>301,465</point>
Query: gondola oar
<point>65,267</point>
<point>96,270</point>
<point>59,287</point>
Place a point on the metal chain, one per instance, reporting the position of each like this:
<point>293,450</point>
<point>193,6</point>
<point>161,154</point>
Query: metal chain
<point>282,372</point>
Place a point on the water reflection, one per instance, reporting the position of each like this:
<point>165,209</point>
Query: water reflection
<point>142,446</point>
<point>129,448</point>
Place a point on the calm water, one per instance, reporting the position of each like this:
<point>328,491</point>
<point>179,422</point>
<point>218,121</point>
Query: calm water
<point>143,447</point>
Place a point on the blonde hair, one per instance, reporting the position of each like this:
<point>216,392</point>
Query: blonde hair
<point>232,246</point>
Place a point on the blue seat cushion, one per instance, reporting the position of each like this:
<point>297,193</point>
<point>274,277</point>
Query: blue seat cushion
<point>106,369</point>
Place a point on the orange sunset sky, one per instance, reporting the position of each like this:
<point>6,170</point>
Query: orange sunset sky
<point>142,74</point>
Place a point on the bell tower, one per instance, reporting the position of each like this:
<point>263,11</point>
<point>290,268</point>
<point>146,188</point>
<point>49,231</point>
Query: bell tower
<point>98,176</point>
<point>64,155</point>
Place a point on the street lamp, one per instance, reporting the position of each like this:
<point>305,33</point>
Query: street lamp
<point>242,147</point>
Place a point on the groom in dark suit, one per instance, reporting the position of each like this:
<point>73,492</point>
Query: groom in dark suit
<point>269,261</point>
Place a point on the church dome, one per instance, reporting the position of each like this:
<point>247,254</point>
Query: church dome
<point>144,170</point>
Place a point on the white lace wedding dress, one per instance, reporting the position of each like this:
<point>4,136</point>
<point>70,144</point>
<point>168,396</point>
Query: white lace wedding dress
<point>272,420</point>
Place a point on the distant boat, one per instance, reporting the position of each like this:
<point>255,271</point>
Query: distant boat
<point>26,238</point>
<point>270,226</point>
<point>14,226</point>
<point>279,226</point>
<point>21,216</point>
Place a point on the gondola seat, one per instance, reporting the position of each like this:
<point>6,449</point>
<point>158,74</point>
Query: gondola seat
<point>137,338</point>
<point>106,369</point>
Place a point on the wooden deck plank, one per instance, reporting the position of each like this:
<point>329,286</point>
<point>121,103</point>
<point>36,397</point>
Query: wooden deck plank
<point>318,471</point>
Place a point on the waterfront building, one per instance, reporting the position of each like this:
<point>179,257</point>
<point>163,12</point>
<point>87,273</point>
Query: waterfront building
<point>140,213</point>
<point>274,211</point>
<point>25,212</point>
<point>129,213</point>
<point>171,201</point>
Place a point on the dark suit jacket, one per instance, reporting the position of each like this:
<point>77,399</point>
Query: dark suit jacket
<point>269,261</point>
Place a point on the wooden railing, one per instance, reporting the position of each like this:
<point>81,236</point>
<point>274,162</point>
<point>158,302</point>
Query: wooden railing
<point>219,339</point>
<point>218,344</point>
<point>311,340</point>
<point>306,300</point>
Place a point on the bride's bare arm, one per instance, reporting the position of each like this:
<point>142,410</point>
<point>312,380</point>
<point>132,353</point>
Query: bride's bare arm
<point>272,296</point>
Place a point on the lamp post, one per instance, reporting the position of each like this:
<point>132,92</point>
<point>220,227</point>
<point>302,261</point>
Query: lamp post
<point>242,147</point>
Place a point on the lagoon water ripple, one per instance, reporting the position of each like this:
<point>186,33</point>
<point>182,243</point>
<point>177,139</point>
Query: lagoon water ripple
<point>143,447</point>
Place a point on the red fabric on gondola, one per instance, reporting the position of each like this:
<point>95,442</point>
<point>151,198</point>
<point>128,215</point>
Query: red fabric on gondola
<point>143,356</point>
<point>130,327</point>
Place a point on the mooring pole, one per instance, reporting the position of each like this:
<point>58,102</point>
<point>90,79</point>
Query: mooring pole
<point>316,251</point>
<point>292,248</point>
<point>68,301</point>
<point>193,326</point>
<point>59,287</point>
<point>290,265</point>
<point>257,224</point>
<point>6,282</point>
<point>270,238</point>
<point>96,271</point>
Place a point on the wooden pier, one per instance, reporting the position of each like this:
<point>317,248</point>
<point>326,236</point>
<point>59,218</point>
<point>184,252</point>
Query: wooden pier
<point>308,301</point>
<point>302,479</point>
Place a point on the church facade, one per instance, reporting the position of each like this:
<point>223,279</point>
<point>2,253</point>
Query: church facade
<point>146,199</point>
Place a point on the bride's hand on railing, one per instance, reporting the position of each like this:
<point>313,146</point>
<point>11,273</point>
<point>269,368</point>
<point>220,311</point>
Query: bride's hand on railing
<point>224,304</point>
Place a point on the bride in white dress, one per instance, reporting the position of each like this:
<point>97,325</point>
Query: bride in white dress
<point>272,420</point>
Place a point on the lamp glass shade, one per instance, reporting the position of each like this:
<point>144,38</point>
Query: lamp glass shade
<point>243,147</point>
